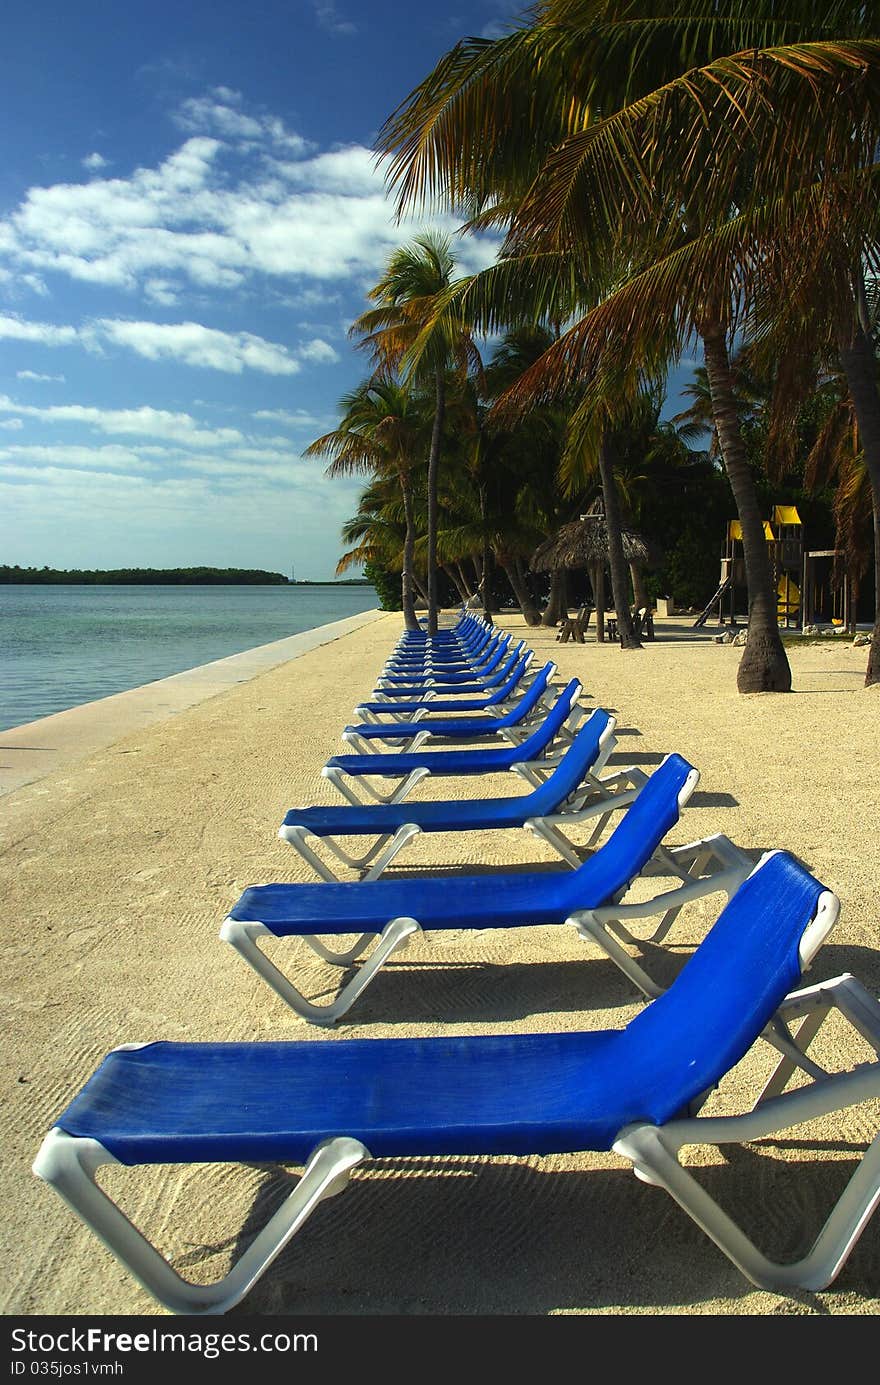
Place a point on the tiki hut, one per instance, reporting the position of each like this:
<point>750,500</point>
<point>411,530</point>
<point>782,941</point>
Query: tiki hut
<point>583,543</point>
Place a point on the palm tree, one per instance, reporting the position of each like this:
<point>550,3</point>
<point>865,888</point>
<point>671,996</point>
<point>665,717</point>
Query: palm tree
<point>381,433</point>
<point>377,530</point>
<point>521,469</point>
<point>837,455</point>
<point>596,203</point>
<point>403,333</point>
<point>817,315</point>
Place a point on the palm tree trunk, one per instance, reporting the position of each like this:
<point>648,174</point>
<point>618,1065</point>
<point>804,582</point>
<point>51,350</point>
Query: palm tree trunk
<point>410,619</point>
<point>486,582</point>
<point>557,604</point>
<point>530,610</point>
<point>616,559</point>
<point>485,558</point>
<point>453,575</point>
<point>764,666</point>
<point>640,595</point>
<point>597,582</point>
<point>433,470</point>
<point>531,614</point>
<point>465,584</point>
<point>860,367</point>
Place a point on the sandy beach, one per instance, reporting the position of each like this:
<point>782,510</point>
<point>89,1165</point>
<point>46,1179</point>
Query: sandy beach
<point>120,863</point>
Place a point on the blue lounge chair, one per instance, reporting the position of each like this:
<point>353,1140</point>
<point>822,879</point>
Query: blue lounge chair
<point>331,1106</point>
<point>432,701</point>
<point>368,737</point>
<point>402,669</point>
<point>478,654</point>
<point>531,757</point>
<point>465,627</point>
<point>590,897</point>
<point>451,683</point>
<point>468,641</point>
<point>566,792</point>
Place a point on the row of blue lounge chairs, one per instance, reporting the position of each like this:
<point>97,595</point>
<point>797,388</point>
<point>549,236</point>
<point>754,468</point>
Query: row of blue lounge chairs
<point>330,1106</point>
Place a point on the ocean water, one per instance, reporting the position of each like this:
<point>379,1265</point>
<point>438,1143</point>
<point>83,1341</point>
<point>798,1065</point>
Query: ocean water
<point>66,645</point>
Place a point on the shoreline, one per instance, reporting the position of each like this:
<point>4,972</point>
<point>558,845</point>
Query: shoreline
<point>122,868</point>
<point>72,734</point>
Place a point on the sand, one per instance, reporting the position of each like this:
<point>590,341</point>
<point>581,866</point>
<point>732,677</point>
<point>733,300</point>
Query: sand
<point>120,863</point>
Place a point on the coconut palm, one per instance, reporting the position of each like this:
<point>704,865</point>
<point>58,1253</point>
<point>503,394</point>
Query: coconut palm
<point>836,455</point>
<point>657,152</point>
<point>827,289</point>
<point>837,223</point>
<point>383,433</point>
<point>377,530</point>
<point>404,334</point>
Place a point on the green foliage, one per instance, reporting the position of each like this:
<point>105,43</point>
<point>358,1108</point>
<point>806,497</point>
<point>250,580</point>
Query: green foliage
<point>386,584</point>
<point>139,576</point>
<point>690,571</point>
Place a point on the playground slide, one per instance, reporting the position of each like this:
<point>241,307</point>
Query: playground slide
<point>704,615</point>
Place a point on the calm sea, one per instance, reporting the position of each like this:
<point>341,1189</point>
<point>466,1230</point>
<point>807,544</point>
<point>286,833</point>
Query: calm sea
<point>62,646</point>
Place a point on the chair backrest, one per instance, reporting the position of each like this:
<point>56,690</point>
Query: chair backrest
<point>531,697</point>
<point>537,743</point>
<point>500,674</point>
<point>688,1038</point>
<point>520,665</point>
<point>653,812</point>
<point>580,757</point>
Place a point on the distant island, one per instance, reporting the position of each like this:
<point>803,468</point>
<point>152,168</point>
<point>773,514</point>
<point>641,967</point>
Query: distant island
<point>144,576</point>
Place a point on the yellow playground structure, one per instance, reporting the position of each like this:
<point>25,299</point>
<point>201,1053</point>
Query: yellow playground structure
<point>811,585</point>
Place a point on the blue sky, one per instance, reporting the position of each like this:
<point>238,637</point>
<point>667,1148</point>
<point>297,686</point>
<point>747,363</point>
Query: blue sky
<point>190,218</point>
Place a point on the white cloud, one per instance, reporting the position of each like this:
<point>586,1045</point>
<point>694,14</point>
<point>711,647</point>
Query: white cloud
<point>237,519</point>
<point>220,113</point>
<point>94,162</point>
<point>297,418</point>
<point>196,345</point>
<point>45,332</point>
<point>329,18</point>
<point>350,172</point>
<point>105,458</point>
<point>42,379</point>
<point>12,425</point>
<point>143,422</point>
<point>161,291</point>
<point>241,199</point>
<point>191,343</point>
<point>319,351</point>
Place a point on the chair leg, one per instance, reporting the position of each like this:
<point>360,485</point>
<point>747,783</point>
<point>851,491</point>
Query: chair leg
<point>653,1152</point>
<point>605,925</point>
<point>69,1164</point>
<point>402,742</point>
<point>243,936</point>
<point>342,782</point>
<point>300,839</point>
<point>607,797</point>
<point>714,859</point>
<point>811,1006</point>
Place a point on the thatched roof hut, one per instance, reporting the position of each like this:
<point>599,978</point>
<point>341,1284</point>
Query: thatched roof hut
<point>584,543</point>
